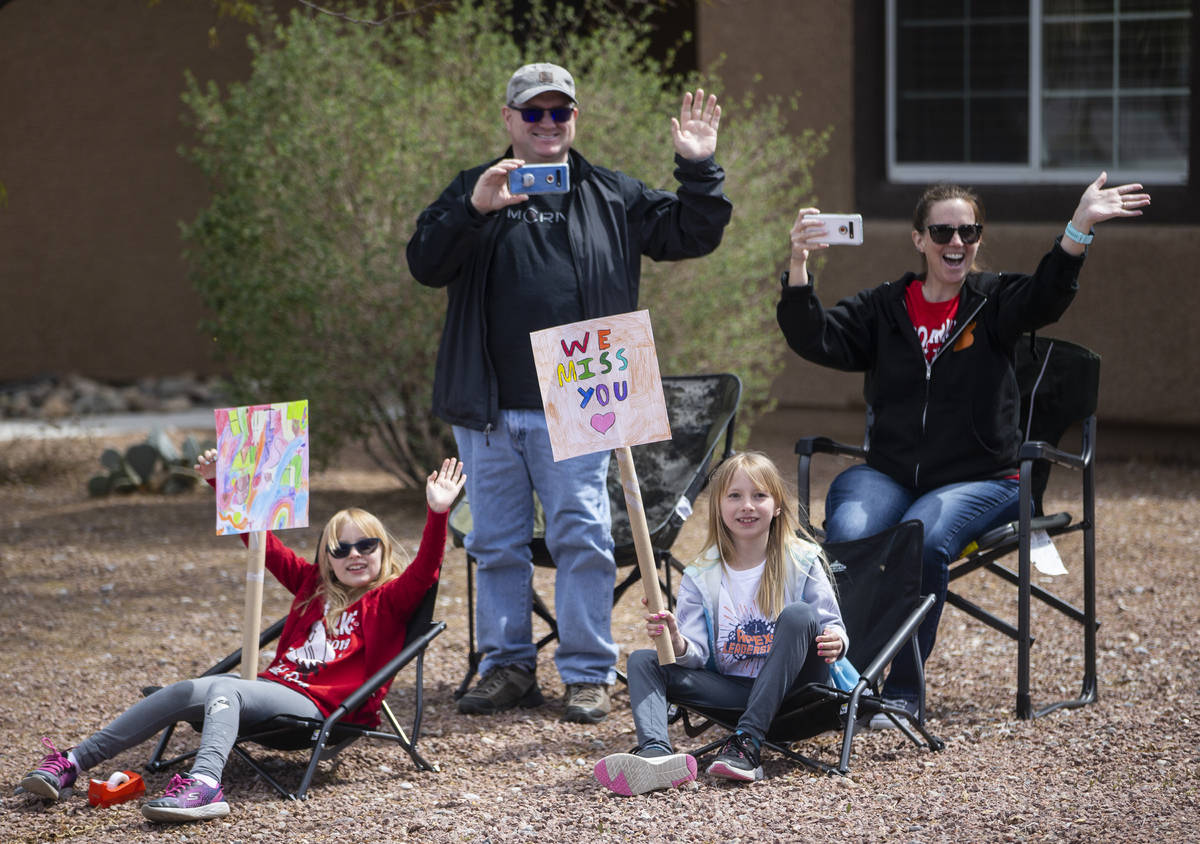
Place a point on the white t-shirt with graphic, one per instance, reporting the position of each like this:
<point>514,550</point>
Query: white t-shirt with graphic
<point>744,634</point>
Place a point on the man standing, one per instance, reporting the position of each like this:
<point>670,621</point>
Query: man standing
<point>513,264</point>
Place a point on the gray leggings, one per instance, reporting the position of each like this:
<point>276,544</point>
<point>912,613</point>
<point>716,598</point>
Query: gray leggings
<point>222,702</point>
<point>792,662</point>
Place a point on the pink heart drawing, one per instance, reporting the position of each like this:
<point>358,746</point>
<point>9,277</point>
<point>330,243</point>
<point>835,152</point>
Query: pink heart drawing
<point>603,421</point>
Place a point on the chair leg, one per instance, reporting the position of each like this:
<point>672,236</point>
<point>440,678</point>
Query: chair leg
<point>1089,691</point>
<point>543,612</point>
<point>311,770</point>
<point>410,745</point>
<point>473,655</point>
<point>1025,515</point>
<point>266,777</point>
<point>156,763</point>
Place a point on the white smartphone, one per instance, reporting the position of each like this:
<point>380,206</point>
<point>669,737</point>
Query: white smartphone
<point>844,229</point>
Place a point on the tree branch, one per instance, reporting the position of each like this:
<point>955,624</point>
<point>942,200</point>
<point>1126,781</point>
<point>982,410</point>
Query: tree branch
<point>381,22</point>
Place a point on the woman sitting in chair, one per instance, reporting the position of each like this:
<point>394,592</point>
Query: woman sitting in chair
<point>937,348</point>
<point>347,619</point>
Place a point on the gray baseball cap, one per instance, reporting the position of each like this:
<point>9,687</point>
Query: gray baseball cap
<point>534,79</point>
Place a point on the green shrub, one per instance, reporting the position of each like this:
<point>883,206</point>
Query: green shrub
<point>320,163</point>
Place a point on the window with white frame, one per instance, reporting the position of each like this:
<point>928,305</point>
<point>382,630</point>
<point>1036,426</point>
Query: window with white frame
<point>1051,91</point>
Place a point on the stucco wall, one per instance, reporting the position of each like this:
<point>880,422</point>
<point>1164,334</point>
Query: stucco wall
<point>90,269</point>
<point>1139,289</point>
<point>90,273</point>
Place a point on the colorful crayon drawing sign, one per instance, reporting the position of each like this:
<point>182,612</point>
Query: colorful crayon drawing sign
<point>262,467</point>
<point>600,384</point>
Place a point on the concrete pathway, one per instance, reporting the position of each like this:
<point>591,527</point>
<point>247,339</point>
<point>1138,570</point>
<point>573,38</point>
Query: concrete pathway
<point>119,423</point>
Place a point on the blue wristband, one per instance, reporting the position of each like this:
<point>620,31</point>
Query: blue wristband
<point>1078,236</point>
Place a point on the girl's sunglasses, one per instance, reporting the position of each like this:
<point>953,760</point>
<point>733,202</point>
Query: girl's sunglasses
<point>941,233</point>
<point>559,114</point>
<point>362,546</point>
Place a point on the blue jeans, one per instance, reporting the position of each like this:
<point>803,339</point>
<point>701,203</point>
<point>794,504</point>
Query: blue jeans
<point>863,501</point>
<point>504,468</point>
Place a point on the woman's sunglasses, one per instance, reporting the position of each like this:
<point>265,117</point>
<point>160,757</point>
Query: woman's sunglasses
<point>559,114</point>
<point>941,233</point>
<point>362,546</point>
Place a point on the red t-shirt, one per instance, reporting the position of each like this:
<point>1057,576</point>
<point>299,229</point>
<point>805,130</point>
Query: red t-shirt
<point>932,320</point>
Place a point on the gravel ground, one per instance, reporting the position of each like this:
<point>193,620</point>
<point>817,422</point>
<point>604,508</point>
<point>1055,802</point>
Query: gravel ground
<point>102,596</point>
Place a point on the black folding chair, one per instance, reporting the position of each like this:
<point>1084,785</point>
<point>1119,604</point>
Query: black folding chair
<point>1060,385</point>
<point>702,410</point>
<point>878,580</point>
<point>325,738</point>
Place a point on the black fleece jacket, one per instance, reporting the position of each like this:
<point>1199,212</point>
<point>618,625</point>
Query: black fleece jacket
<point>613,220</point>
<point>954,419</point>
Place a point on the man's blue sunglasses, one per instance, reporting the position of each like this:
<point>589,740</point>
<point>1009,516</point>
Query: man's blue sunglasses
<point>559,114</point>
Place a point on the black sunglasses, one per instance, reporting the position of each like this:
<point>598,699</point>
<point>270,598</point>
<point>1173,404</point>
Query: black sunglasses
<point>941,233</point>
<point>559,114</point>
<point>362,546</point>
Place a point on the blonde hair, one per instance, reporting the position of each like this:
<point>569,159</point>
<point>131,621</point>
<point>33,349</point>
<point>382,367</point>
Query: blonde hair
<point>786,535</point>
<point>336,595</point>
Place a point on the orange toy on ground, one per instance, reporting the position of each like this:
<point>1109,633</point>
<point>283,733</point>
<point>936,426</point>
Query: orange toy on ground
<point>121,786</point>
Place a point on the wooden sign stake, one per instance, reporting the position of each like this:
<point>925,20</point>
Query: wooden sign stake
<point>256,556</point>
<point>645,552</point>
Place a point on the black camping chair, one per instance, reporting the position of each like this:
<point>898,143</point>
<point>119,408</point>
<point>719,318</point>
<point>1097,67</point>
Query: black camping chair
<point>878,582</point>
<point>702,410</point>
<point>328,737</point>
<point>1060,386</point>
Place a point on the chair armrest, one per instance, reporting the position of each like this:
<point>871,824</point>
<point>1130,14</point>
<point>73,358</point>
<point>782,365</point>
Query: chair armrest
<point>1038,450</point>
<point>384,674</point>
<point>806,447</point>
<point>875,670</point>
<point>809,446</point>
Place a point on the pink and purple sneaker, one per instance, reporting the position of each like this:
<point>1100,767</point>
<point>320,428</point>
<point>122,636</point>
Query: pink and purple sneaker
<point>187,799</point>
<point>628,774</point>
<point>53,777</point>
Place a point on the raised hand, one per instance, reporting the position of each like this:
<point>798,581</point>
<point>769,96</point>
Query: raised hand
<point>1099,203</point>
<point>443,485</point>
<point>695,131</point>
<point>491,189</point>
<point>806,237</point>
<point>206,464</point>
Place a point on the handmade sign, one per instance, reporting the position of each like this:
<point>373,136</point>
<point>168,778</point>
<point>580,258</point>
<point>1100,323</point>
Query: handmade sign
<point>600,384</point>
<point>602,391</point>
<point>262,484</point>
<point>262,467</point>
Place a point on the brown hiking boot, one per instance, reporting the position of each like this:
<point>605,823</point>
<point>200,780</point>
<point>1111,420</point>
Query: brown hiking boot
<point>502,688</point>
<point>587,703</point>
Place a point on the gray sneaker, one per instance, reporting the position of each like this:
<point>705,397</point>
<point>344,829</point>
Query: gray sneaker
<point>502,688</point>
<point>586,703</point>
<point>881,721</point>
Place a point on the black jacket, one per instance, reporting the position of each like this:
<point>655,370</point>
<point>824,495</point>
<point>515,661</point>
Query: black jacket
<point>613,221</point>
<point>957,418</point>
